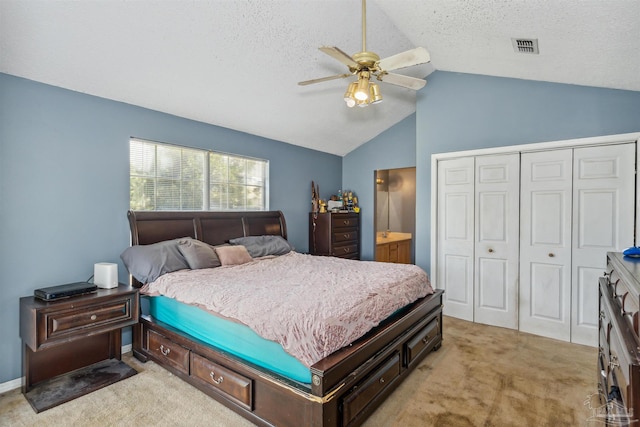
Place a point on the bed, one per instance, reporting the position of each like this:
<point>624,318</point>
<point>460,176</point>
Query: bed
<point>340,389</point>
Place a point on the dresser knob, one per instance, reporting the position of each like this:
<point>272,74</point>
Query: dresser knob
<point>381,380</point>
<point>490,250</point>
<point>94,317</point>
<point>551,255</point>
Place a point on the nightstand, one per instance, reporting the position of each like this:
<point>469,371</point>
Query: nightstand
<point>73,346</point>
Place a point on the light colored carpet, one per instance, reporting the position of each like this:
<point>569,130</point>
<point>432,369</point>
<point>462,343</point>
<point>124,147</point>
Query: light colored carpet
<point>482,376</point>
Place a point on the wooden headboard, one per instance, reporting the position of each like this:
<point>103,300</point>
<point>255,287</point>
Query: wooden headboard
<point>213,228</point>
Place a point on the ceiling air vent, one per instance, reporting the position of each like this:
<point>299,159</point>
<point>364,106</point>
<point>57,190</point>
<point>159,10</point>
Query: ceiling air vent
<point>525,45</point>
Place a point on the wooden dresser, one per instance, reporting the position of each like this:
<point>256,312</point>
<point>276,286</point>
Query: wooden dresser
<point>619,342</point>
<point>335,234</point>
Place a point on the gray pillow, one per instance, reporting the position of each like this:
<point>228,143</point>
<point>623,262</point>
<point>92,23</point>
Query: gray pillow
<point>258,246</point>
<point>148,262</point>
<point>198,254</point>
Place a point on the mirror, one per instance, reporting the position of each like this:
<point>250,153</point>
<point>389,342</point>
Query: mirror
<point>395,207</point>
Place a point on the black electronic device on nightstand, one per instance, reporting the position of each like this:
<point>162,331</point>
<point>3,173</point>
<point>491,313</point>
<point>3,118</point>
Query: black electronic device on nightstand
<point>53,293</point>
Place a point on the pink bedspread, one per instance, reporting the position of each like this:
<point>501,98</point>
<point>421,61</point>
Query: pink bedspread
<point>310,305</point>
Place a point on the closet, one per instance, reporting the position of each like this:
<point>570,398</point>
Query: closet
<point>520,235</point>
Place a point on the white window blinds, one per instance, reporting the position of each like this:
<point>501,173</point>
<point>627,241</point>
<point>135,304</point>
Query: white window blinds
<point>170,177</point>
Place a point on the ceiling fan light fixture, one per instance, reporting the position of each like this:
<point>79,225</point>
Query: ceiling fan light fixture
<point>375,97</point>
<point>349,94</point>
<point>362,93</point>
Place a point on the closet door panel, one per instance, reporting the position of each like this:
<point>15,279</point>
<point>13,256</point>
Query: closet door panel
<point>455,244</point>
<point>603,220</point>
<point>545,244</point>
<point>496,245</point>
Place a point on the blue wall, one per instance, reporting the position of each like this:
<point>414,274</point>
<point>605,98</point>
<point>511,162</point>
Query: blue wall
<point>394,148</point>
<point>64,187</point>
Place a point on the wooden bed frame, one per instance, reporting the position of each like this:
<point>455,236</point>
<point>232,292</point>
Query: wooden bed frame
<point>347,386</point>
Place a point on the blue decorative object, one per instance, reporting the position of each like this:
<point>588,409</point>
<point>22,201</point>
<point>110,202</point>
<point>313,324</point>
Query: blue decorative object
<point>633,252</point>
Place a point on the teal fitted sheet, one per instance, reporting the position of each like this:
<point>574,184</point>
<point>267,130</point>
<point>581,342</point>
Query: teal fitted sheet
<point>235,338</point>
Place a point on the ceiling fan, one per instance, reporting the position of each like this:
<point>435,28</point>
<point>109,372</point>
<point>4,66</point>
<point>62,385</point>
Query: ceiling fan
<point>367,65</point>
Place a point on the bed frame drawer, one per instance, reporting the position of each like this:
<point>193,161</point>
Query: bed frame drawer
<point>424,340</point>
<point>225,381</point>
<point>167,351</point>
<point>356,401</point>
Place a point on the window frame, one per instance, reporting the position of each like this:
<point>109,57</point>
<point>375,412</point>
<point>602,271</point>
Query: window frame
<point>206,180</point>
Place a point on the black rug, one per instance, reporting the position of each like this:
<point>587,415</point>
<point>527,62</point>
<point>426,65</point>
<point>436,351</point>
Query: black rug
<point>64,388</point>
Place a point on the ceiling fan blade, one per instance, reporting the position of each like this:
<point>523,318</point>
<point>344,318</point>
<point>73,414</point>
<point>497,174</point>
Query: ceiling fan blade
<point>324,79</point>
<point>404,81</point>
<point>336,53</point>
<point>408,58</point>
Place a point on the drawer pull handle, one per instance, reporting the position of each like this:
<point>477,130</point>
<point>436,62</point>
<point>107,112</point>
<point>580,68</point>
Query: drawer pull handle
<point>164,350</point>
<point>94,317</point>
<point>346,250</point>
<point>213,378</point>
<point>345,222</point>
<point>381,380</point>
<point>602,314</point>
<point>551,255</point>
<point>426,339</point>
<point>603,373</point>
<point>490,250</point>
<point>346,236</point>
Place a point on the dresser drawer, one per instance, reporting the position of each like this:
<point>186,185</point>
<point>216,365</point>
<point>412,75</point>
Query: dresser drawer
<point>230,384</point>
<point>422,341</point>
<point>99,317</point>
<point>344,221</point>
<point>365,393</point>
<point>346,235</point>
<point>346,251</point>
<point>164,349</point>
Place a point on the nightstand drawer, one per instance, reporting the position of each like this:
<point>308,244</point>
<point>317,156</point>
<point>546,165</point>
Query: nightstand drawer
<point>165,349</point>
<point>225,381</point>
<point>85,319</point>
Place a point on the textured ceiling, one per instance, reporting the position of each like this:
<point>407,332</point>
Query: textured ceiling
<point>236,63</point>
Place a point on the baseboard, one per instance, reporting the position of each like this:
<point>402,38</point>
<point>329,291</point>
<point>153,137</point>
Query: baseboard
<point>17,383</point>
<point>11,385</point>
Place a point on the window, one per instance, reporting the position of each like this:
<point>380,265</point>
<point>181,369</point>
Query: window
<point>170,177</point>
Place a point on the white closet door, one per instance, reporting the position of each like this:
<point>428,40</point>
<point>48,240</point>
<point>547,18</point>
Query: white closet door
<point>545,243</point>
<point>455,236</point>
<point>603,220</point>
<point>497,198</point>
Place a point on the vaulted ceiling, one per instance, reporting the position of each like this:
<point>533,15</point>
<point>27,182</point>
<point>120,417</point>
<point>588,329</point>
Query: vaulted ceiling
<point>236,63</point>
